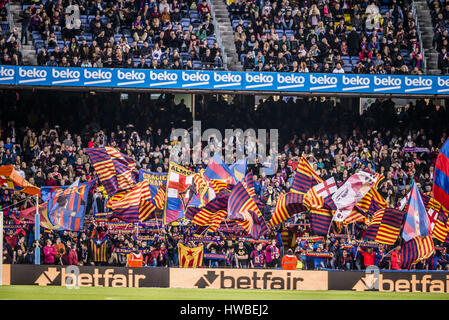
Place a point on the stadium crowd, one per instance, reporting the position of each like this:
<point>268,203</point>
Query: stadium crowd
<point>374,37</point>
<point>46,148</point>
<point>343,36</point>
<point>119,34</point>
<point>439,11</point>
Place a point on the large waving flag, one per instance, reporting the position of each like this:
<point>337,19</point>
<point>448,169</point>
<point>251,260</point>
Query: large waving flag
<point>115,170</point>
<point>13,181</point>
<point>417,223</point>
<point>66,207</point>
<point>314,197</point>
<point>238,169</point>
<point>253,223</point>
<point>351,192</point>
<point>218,170</point>
<point>155,180</point>
<point>240,201</point>
<point>135,204</point>
<point>441,177</point>
<point>286,206</point>
<point>385,226</point>
<point>29,213</point>
<point>320,220</point>
<point>190,257</point>
<point>212,214</point>
<point>441,229</point>
<point>180,192</point>
<point>305,177</point>
<point>415,250</point>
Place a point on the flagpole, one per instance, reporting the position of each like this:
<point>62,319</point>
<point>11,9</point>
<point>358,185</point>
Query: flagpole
<point>37,235</point>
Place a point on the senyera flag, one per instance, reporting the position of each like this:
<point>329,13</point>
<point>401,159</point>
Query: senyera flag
<point>13,181</point>
<point>441,176</point>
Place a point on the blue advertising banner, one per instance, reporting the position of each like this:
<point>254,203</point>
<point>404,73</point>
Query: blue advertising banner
<point>224,80</point>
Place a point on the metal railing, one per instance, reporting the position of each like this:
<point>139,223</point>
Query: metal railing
<point>421,48</point>
<point>218,35</point>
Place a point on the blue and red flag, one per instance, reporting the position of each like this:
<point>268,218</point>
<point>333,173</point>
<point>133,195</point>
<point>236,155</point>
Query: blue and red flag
<point>115,170</point>
<point>416,221</point>
<point>218,170</point>
<point>238,169</point>
<point>441,176</point>
<point>66,207</point>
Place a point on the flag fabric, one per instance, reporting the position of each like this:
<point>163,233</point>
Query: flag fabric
<point>441,177</point>
<point>159,199</point>
<point>441,229</point>
<point>155,180</point>
<point>218,170</point>
<point>417,223</point>
<point>356,215</point>
<point>286,206</point>
<point>44,221</point>
<point>127,208</point>
<point>385,226</point>
<point>180,191</point>
<point>98,249</point>
<point>146,208</point>
<point>218,185</point>
<point>212,214</point>
<point>240,201</point>
<point>433,207</point>
<point>320,220</point>
<point>10,179</point>
<point>115,170</point>
<point>351,192</point>
<point>305,177</point>
<point>238,169</point>
<point>66,207</point>
<point>253,223</point>
<point>415,250</point>
<point>190,257</point>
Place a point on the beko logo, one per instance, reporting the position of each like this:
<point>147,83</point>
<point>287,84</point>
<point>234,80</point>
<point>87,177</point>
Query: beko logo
<point>163,76</point>
<point>32,73</point>
<point>65,73</point>
<point>6,72</point>
<point>98,74</point>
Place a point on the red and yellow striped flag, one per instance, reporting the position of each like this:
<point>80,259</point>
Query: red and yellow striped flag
<point>190,257</point>
<point>286,206</point>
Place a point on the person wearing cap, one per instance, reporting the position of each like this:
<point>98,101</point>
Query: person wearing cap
<point>289,261</point>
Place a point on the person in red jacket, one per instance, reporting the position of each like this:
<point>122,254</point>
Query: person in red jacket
<point>49,253</point>
<point>368,257</point>
<point>396,259</point>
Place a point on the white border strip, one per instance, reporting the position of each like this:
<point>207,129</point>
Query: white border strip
<point>355,88</point>
<point>324,87</point>
<point>32,80</point>
<point>443,90</point>
<point>65,81</point>
<point>162,83</point>
<point>259,85</point>
<point>291,86</point>
<point>418,89</point>
<point>386,89</point>
<point>7,78</point>
<point>227,85</point>
<point>128,83</point>
<point>98,81</point>
<point>195,84</point>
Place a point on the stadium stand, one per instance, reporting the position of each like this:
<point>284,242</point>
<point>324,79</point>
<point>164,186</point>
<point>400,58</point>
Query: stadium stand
<point>176,35</point>
<point>47,150</point>
<point>357,36</point>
